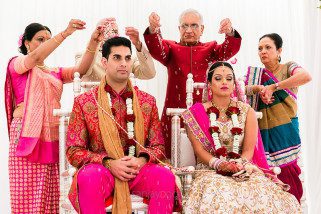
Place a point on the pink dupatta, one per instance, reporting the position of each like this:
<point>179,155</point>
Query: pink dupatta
<point>39,139</point>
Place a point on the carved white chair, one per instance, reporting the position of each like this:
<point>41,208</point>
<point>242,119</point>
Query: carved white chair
<point>65,169</point>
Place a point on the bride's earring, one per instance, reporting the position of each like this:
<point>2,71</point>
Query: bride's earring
<point>209,90</point>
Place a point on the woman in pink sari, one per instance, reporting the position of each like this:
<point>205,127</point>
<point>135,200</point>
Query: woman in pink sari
<point>32,91</point>
<point>232,175</point>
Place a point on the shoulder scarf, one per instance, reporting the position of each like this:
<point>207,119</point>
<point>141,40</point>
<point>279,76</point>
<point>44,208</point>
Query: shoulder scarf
<point>112,143</point>
<point>39,137</point>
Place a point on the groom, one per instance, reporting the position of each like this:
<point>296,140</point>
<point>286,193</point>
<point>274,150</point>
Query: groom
<point>99,147</point>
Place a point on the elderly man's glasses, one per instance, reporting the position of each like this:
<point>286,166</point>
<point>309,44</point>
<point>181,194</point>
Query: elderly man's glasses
<point>192,26</point>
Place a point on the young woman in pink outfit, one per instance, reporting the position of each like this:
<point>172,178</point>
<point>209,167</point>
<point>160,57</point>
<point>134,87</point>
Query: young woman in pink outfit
<point>32,91</point>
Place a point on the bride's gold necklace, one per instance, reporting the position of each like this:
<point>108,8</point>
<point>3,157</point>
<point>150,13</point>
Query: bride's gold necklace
<point>222,110</point>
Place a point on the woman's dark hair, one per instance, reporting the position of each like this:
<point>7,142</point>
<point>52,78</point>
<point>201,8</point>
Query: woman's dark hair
<point>29,33</point>
<point>216,65</point>
<point>277,39</point>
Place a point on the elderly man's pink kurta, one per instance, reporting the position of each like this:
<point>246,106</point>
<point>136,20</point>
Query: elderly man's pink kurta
<point>181,60</point>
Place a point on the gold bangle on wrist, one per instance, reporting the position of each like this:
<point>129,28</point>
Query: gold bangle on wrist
<point>56,41</point>
<point>62,35</point>
<point>90,51</point>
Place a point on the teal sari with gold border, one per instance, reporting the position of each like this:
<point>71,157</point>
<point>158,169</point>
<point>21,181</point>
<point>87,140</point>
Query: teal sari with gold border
<point>279,125</point>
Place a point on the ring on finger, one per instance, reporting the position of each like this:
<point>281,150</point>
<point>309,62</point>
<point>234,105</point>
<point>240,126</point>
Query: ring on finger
<point>74,25</point>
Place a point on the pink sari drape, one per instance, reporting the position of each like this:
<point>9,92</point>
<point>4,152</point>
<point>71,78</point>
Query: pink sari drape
<point>38,141</point>
<point>259,157</point>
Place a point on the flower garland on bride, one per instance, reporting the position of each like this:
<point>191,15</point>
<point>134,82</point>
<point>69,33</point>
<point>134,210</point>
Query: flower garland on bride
<point>221,151</point>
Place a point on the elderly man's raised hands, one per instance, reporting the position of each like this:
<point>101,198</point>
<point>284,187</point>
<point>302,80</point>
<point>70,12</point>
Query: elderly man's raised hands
<point>226,27</point>
<point>154,22</point>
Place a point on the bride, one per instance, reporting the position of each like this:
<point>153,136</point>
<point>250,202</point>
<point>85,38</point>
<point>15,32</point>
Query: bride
<point>232,174</point>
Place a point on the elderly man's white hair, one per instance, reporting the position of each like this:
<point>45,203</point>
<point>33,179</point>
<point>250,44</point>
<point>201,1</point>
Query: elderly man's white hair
<point>190,11</point>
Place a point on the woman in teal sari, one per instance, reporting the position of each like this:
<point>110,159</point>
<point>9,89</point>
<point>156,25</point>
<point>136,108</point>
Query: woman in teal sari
<point>272,90</point>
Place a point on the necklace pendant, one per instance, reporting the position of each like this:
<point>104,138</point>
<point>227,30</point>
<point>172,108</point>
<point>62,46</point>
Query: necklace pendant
<point>223,118</point>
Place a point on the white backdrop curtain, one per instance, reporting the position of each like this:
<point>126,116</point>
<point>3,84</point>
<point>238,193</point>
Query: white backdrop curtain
<point>297,21</point>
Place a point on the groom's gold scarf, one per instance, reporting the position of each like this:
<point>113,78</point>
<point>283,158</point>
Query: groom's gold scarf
<point>113,146</point>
